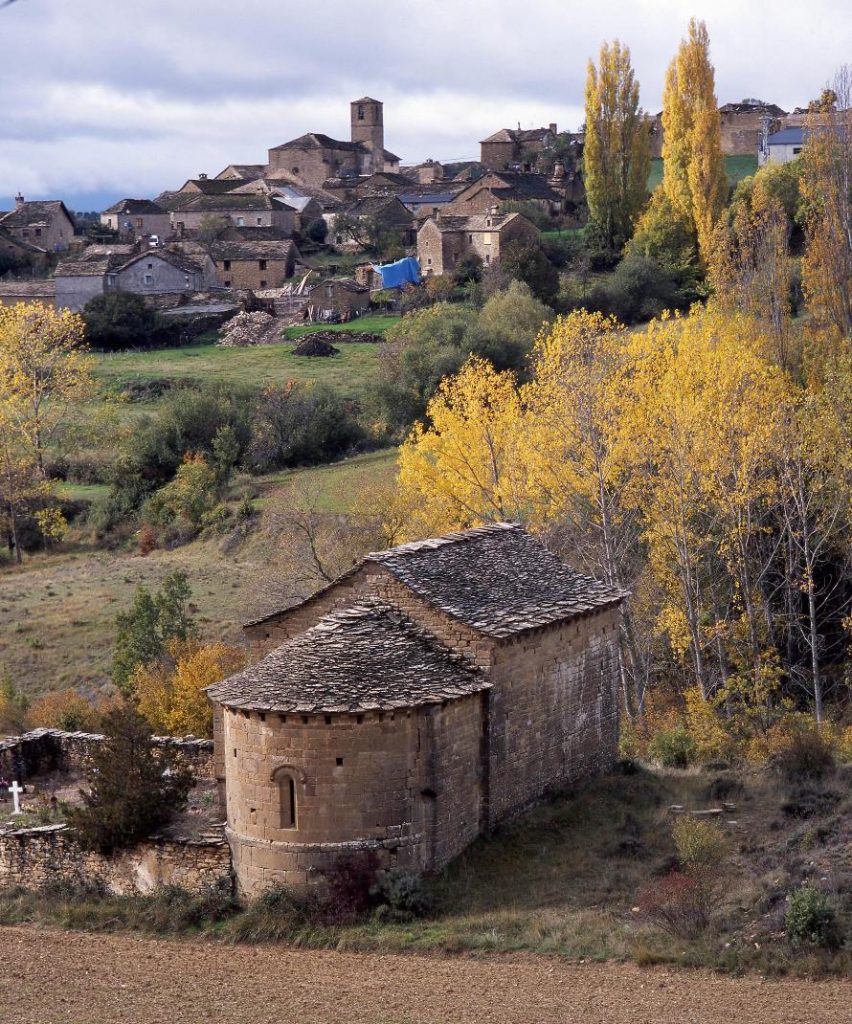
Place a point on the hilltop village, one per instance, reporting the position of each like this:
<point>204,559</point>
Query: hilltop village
<point>265,228</point>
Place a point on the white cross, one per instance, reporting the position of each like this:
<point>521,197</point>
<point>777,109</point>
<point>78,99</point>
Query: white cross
<point>16,791</point>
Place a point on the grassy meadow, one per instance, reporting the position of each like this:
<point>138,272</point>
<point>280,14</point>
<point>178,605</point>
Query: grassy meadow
<point>736,167</point>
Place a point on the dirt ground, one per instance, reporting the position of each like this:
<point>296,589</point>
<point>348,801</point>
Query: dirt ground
<point>53,977</point>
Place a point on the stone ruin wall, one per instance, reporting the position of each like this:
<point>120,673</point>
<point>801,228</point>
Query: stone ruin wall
<point>49,750</point>
<point>406,784</point>
<point>35,857</point>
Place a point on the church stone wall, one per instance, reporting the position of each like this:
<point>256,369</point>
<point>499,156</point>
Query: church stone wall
<point>554,711</point>
<point>406,784</point>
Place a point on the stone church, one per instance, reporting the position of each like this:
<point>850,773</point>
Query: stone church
<point>430,693</point>
<point>314,158</point>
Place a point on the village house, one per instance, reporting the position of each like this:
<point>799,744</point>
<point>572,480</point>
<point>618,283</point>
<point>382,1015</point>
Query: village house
<point>313,158</point>
<point>371,215</point>
<point>253,264</point>
<point>497,189</point>
<point>189,216</point>
<point>155,273</point>
<point>443,241</point>
<point>784,146</point>
<point>516,148</point>
<point>137,218</point>
<point>17,255</point>
<point>434,691</point>
<point>338,297</point>
<point>46,224</point>
<point>39,293</point>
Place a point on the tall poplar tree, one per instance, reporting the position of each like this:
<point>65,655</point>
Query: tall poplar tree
<point>694,178</point>
<point>616,150</point>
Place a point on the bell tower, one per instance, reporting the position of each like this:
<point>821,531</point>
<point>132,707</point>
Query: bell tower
<point>367,121</point>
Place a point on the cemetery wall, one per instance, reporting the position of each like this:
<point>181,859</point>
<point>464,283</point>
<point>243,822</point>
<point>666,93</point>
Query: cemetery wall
<point>35,857</point>
<point>46,750</point>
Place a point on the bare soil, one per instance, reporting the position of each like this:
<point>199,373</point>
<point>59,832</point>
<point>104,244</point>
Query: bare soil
<point>53,977</point>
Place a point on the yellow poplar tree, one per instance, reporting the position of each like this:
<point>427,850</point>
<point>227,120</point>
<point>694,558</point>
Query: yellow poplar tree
<point>463,468</point>
<point>693,166</point>
<point>616,150</point>
<point>170,693</point>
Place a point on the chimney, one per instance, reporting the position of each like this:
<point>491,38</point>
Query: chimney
<point>19,201</point>
<point>552,127</point>
<point>202,177</point>
<point>559,169</point>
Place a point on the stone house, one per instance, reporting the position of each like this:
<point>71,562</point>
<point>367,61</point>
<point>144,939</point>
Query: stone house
<point>137,218</point>
<point>253,264</point>
<point>783,146</point>
<point>82,277</point>
<point>46,224</point>
<point>338,296</point>
<point>41,293</point>
<point>515,148</point>
<point>497,189</point>
<point>444,240</point>
<point>743,125</point>
<point>313,158</point>
<point>385,214</point>
<point>241,209</point>
<point>434,691</point>
<point>23,255</point>
<point>306,207</point>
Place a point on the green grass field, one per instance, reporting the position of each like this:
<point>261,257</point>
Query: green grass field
<point>374,323</point>
<point>736,167</point>
<point>352,373</point>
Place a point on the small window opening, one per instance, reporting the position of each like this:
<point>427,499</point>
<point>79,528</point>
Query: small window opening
<point>339,761</point>
<point>286,798</point>
<point>328,719</point>
<point>235,751</point>
<point>262,717</point>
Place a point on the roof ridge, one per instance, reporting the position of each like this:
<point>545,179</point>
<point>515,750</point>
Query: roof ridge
<point>431,543</point>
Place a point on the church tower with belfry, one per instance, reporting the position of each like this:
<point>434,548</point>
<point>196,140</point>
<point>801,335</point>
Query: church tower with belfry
<point>368,128</point>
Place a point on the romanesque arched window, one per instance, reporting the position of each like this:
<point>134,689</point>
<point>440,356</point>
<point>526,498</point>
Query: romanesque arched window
<point>285,780</point>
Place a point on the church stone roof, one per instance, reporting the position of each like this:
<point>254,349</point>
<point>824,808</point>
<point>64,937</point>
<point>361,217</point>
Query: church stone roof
<point>368,657</point>
<point>496,579</point>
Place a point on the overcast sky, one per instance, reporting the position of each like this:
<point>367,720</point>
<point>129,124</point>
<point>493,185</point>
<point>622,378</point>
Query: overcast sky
<point>102,99</point>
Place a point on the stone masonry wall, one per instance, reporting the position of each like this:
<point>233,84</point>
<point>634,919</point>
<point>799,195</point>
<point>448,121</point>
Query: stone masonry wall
<point>45,750</point>
<point>34,857</point>
<point>406,784</point>
<point>554,711</point>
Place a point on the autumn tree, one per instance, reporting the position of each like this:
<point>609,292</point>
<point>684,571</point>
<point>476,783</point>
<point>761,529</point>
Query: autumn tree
<point>62,709</point>
<point>693,166</point>
<point>465,468</point>
<point>169,693</point>
<point>44,373</point>
<point>827,196</point>
<point>616,153</point>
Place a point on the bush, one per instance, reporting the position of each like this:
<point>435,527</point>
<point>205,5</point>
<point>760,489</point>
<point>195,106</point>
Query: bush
<point>702,846</point>
<point>403,894</point>
<point>810,918</point>
<point>133,788</point>
<point>639,289</point>
<point>351,884</point>
<point>672,748</point>
<point>677,903</point>
<point>807,752</point>
<point>317,230</point>
<point>275,915</point>
<point>119,320</point>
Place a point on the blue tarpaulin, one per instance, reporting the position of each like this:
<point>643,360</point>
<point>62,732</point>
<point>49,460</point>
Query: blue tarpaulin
<point>399,274</point>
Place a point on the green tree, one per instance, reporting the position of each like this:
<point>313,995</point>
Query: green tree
<point>118,320</point>
<point>616,153</point>
<point>508,325</point>
<point>133,788</point>
<point>152,620</point>
<point>529,263</point>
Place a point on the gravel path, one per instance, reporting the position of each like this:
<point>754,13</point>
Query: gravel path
<point>52,977</point>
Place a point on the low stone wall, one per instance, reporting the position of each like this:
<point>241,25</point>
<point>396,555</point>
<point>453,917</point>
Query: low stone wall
<point>48,750</point>
<point>34,857</point>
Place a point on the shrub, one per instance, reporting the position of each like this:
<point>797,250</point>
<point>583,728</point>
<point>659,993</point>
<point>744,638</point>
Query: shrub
<point>810,802</point>
<point>639,289</point>
<point>676,903</point>
<point>118,320</point>
<point>404,894</point>
<point>702,846</point>
<point>172,910</point>
<point>672,748</point>
<point>62,709</point>
<point>275,915</point>
<point>806,752</point>
<point>810,918</point>
<point>317,230</point>
<point>351,886</point>
<point>133,789</point>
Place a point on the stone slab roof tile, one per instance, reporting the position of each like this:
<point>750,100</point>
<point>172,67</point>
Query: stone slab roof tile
<point>367,657</point>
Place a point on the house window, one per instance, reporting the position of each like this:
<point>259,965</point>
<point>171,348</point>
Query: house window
<point>25,233</point>
<point>329,291</point>
<point>261,264</point>
<point>140,223</point>
<point>295,170</point>
<point>148,279</point>
<point>286,783</point>
<point>226,264</point>
<point>259,221</point>
<point>470,239</point>
<point>797,150</point>
<point>360,113</point>
<point>38,232</point>
<point>241,222</point>
<point>263,284</point>
<point>150,266</point>
<point>429,261</point>
<point>227,284</point>
<point>486,238</point>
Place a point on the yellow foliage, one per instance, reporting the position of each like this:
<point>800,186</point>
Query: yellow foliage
<point>170,694</point>
<point>463,469</point>
<point>712,743</point>
<point>62,709</point>
<point>693,167</point>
